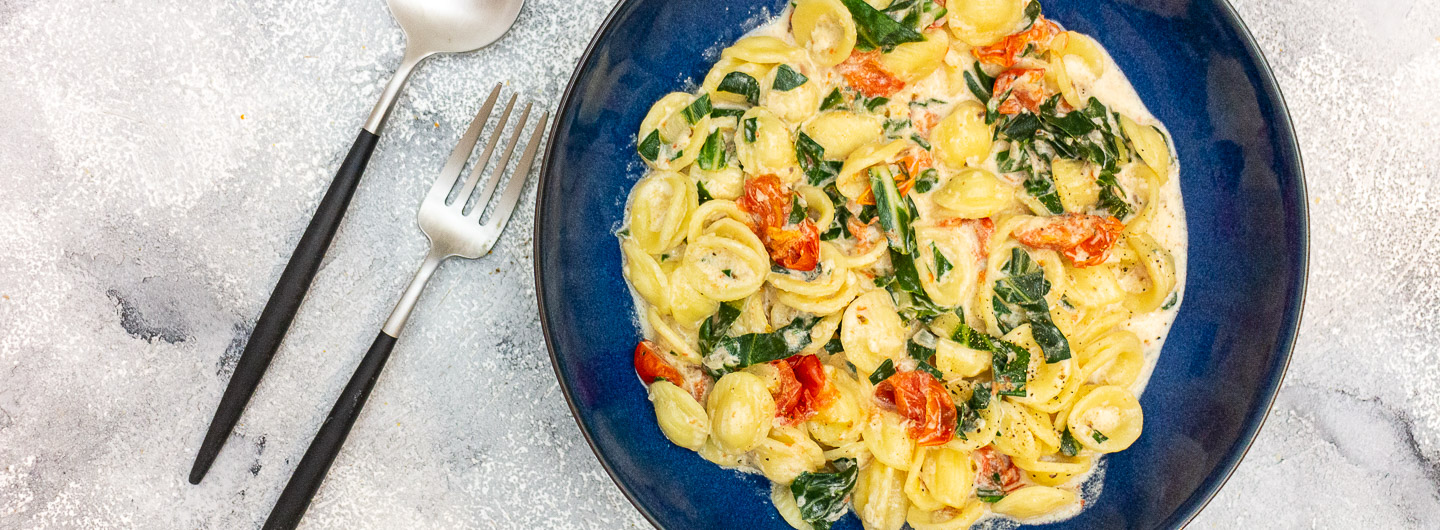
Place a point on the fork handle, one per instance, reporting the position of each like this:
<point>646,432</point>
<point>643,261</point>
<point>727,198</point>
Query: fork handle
<point>284,301</point>
<point>311,472</point>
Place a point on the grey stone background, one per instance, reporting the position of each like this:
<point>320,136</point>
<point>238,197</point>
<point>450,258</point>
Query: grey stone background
<point>158,160</point>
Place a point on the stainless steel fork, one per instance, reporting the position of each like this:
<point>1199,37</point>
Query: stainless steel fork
<point>454,231</point>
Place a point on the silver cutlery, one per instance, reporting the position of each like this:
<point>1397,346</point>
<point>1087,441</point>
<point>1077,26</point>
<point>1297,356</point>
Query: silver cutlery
<point>430,27</point>
<point>453,231</point>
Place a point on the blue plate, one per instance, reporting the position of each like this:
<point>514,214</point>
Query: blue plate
<point>1198,70</point>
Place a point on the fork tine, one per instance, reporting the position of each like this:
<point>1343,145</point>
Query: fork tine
<point>478,167</point>
<point>484,197</point>
<point>506,205</point>
<point>462,151</point>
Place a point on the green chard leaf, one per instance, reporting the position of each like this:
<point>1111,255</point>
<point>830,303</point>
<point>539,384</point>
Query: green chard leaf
<point>700,108</point>
<point>749,129</point>
<point>1032,13</point>
<point>834,100</point>
<point>967,413</point>
<point>1025,288</point>
<point>712,153</point>
<point>1009,366</point>
<point>742,84</point>
<point>895,217</point>
<point>882,372</point>
<point>926,367</point>
<point>704,193</point>
<point>821,496</point>
<point>979,84</point>
<point>874,103</point>
<point>923,145</point>
<point>1042,187</point>
<point>650,146</point>
<point>733,353</point>
<point>797,211</point>
<point>1112,196</point>
<point>875,29</point>
<point>715,327</point>
<point>787,79</point>
<point>1068,445</point>
<point>811,155</point>
<point>942,265</point>
<point>989,494</point>
<point>724,112</point>
<point>1174,297</point>
<point>1099,436</point>
<point>927,180</point>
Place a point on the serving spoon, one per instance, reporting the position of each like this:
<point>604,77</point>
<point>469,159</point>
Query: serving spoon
<point>430,27</point>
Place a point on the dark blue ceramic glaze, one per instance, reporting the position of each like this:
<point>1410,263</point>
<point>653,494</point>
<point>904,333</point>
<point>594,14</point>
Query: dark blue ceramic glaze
<point>1196,68</point>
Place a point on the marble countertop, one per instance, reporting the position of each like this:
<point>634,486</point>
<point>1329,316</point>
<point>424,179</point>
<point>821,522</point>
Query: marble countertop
<point>159,160</point>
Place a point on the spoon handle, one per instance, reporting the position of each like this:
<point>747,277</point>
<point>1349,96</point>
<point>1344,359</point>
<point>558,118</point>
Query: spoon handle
<point>284,302</point>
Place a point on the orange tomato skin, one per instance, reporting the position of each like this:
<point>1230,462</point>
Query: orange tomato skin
<point>1085,240</point>
<point>768,202</point>
<point>924,401</point>
<point>802,390</point>
<point>651,367</point>
<point>766,199</point>
<point>864,72</point>
<point>994,464</point>
<point>795,248</point>
<point>1008,51</point>
<point>1027,90</point>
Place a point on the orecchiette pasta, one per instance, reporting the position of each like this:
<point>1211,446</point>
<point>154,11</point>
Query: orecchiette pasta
<point>898,257</point>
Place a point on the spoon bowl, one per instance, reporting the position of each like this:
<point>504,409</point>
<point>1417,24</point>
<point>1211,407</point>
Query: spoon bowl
<point>453,26</point>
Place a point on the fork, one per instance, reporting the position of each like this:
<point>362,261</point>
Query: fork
<point>453,231</point>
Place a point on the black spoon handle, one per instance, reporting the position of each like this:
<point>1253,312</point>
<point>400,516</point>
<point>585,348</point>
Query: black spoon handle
<point>284,302</point>
<point>311,472</point>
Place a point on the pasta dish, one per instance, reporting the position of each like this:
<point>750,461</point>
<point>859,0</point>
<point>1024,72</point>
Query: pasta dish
<point>910,258</point>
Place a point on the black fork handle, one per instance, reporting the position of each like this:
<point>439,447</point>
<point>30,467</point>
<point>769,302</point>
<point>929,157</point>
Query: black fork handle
<point>284,302</point>
<point>311,472</point>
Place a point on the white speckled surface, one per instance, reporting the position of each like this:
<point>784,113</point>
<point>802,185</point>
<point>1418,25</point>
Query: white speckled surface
<point>159,160</point>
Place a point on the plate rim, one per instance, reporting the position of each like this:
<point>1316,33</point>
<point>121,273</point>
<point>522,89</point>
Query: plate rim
<point>1207,490</point>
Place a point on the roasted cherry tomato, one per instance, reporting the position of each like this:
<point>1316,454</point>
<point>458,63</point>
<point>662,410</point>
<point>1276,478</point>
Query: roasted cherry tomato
<point>996,471</point>
<point>786,392</point>
<point>650,366</point>
<point>1026,88</point>
<point>864,72</point>
<point>1084,239</point>
<point>1006,52</point>
<point>815,394</point>
<point>924,401</point>
<point>768,202</point>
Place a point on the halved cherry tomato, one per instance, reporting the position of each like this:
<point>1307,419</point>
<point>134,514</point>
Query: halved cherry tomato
<point>768,202</point>
<point>864,72</point>
<point>811,374</point>
<point>924,401</point>
<point>996,471</point>
<point>795,248</point>
<point>1084,239</point>
<point>650,366</point>
<point>1026,87</point>
<point>786,391</point>
<point>1006,52</point>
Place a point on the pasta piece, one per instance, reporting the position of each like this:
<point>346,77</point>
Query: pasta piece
<point>984,22</point>
<point>963,138</point>
<point>913,61</point>
<point>879,497</point>
<point>711,212</point>
<point>1159,269</point>
<point>1150,143</point>
<point>872,331</point>
<point>784,502</point>
<point>645,275</point>
<point>957,361</point>
<point>1075,185</point>
<point>960,248</point>
<point>1047,381</point>
<point>1106,420</point>
<point>946,475</point>
<point>1141,222</point>
<point>1116,358</point>
<point>1034,501</point>
<point>723,68</point>
<point>887,440</point>
<point>794,104</point>
<point>821,334</point>
<point>827,304</point>
<point>1094,286</point>
<point>786,453</point>
<point>975,193</point>
<point>853,180</point>
<point>1055,472</point>
<point>772,151</point>
<point>762,49</point>
<point>724,269</point>
<point>825,28</point>
<point>679,344</point>
<point>945,519</point>
<point>830,279</point>
<point>985,429</point>
<point>712,452</point>
<point>660,207</point>
<point>1078,62</point>
<point>741,410</point>
<point>842,132</point>
<point>818,206</point>
<point>681,418</point>
<point>1016,436</point>
<point>671,129</point>
<point>840,421</point>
